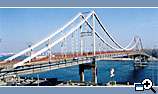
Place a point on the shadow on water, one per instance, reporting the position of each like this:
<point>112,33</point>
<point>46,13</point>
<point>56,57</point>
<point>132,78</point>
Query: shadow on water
<point>135,75</point>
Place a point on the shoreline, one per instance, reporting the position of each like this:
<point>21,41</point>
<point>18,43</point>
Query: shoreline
<point>129,59</point>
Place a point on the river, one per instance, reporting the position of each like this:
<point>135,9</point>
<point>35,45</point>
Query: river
<point>124,72</point>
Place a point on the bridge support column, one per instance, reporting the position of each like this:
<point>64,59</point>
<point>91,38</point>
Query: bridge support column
<point>81,72</point>
<point>94,74</point>
<point>134,62</point>
<point>140,57</point>
<point>94,71</point>
<point>92,66</point>
<point>146,59</point>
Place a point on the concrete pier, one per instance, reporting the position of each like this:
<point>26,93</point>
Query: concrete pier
<point>92,67</point>
<point>140,62</point>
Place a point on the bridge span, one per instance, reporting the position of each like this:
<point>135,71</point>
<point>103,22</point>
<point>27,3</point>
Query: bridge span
<point>57,62</point>
<point>82,40</point>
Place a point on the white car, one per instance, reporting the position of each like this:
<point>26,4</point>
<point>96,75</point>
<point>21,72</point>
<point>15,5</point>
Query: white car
<point>75,58</point>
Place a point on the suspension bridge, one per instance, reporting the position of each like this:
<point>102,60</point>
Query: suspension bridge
<point>84,39</point>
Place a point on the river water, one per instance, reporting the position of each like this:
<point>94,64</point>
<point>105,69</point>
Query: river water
<point>124,72</point>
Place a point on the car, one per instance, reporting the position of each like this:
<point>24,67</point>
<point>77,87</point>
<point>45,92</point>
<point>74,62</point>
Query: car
<point>75,58</point>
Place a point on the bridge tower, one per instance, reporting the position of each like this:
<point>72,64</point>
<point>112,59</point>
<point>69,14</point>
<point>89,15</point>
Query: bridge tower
<point>93,21</point>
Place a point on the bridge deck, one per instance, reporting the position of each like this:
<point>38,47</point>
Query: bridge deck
<point>58,58</point>
<point>40,66</point>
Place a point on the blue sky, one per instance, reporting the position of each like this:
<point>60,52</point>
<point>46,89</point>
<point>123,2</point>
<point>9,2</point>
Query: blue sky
<point>21,26</point>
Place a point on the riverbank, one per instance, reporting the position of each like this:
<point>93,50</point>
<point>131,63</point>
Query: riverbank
<point>153,59</point>
<point>130,59</point>
<point>55,82</point>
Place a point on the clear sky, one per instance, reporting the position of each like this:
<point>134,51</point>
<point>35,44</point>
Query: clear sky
<point>19,27</point>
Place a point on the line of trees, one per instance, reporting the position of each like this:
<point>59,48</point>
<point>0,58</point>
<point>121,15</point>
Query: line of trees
<point>152,52</point>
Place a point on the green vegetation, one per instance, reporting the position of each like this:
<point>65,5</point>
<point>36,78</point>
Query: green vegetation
<point>152,52</point>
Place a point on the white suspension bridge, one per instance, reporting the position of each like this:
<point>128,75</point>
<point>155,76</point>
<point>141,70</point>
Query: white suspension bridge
<point>82,40</point>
